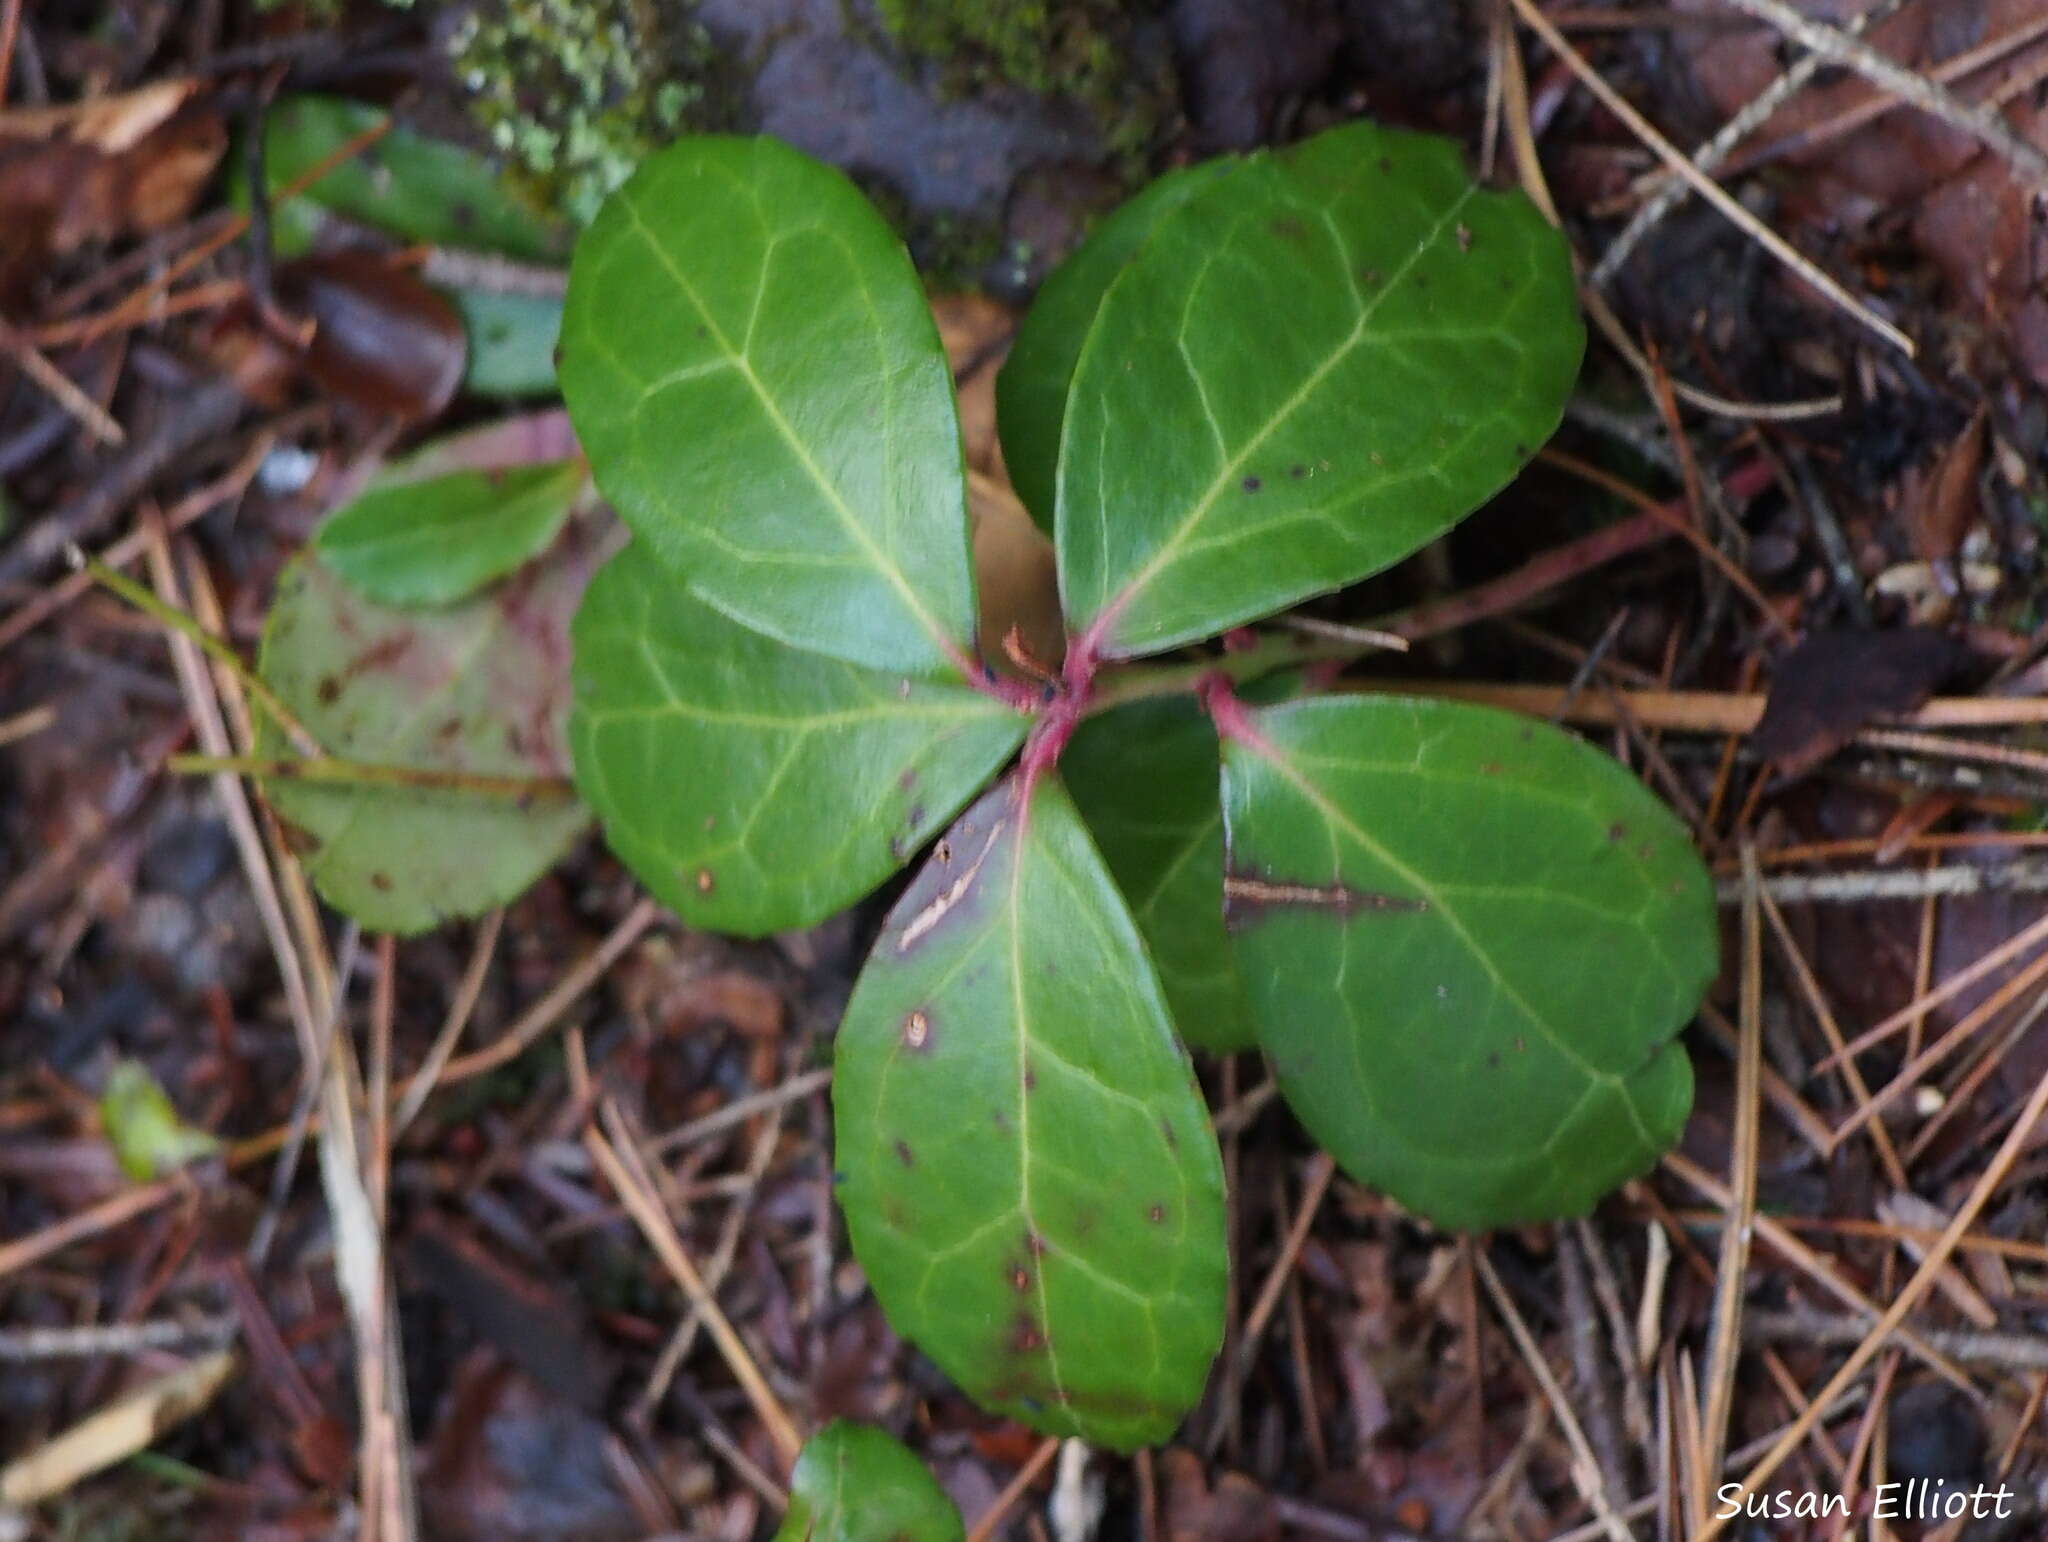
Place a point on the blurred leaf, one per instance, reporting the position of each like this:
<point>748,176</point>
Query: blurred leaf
<point>436,541</point>
<point>511,342</point>
<point>855,1483</point>
<point>420,190</point>
<point>1469,940</point>
<point>1029,1175</point>
<point>148,1137</point>
<point>477,688</point>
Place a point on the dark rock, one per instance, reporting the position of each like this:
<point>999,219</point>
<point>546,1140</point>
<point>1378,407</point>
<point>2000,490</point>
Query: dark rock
<point>1935,1435</point>
<point>1242,60</point>
<point>187,854</point>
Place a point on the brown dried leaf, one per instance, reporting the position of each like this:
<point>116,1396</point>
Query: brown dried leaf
<point>1834,683</point>
<point>1235,1510</point>
<point>1942,505</point>
<point>382,340</point>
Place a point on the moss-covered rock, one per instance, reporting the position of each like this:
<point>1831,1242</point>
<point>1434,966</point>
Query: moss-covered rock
<point>575,92</point>
<point>1077,49</point>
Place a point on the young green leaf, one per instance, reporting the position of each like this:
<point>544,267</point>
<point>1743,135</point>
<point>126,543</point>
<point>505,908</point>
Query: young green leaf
<point>1144,777</point>
<point>511,342</point>
<point>757,378</point>
<point>751,786</point>
<point>854,1483</point>
<point>1031,389</point>
<point>1312,367</point>
<point>1027,1169</point>
<point>438,540</point>
<point>419,189</point>
<point>478,689</point>
<point>148,1137</point>
<point>1469,940</point>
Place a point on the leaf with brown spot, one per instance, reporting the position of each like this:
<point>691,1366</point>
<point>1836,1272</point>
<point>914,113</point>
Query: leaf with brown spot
<point>480,688</point>
<point>751,786</point>
<point>1492,1041</point>
<point>1057,1133</point>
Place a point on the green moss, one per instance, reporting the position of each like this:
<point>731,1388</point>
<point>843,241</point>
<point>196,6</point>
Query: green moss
<point>575,92</point>
<point>1077,49</point>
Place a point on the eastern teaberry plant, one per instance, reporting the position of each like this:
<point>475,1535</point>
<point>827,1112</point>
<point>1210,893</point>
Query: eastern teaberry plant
<point>1465,941</point>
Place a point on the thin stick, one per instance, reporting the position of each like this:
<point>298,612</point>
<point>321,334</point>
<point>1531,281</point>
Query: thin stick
<point>1915,90</point>
<point>332,770</point>
<point>1717,149</point>
<point>626,1171</point>
<point>1709,189</point>
<point>1904,883</point>
<point>201,501</point>
<point>1909,1296</point>
<point>1586,1474</point>
<point>1014,1490</point>
<point>1725,1344</point>
<point>544,1013</point>
<point>471,987</point>
<point>1961,980</point>
<point>181,622</point>
<point>60,387</point>
<point>739,1111</point>
<point>1697,712</point>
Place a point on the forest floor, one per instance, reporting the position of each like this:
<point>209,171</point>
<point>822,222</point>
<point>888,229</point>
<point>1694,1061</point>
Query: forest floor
<point>1828,388</point>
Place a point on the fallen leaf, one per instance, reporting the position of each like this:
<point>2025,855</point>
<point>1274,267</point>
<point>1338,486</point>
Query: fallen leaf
<point>382,340</point>
<point>1834,683</point>
<point>1235,1510</point>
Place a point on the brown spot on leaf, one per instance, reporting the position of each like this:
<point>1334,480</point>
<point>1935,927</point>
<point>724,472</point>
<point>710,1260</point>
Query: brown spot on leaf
<point>705,881</point>
<point>381,882</point>
<point>1252,484</point>
<point>1617,832</point>
<point>917,1031</point>
<point>1020,1279</point>
<point>1246,897</point>
<point>905,1155</point>
<point>1172,1140</point>
<point>1288,228</point>
<point>1030,1079</point>
<point>1026,1337</point>
<point>1156,1215</point>
<point>1034,1244</point>
<point>1491,768</point>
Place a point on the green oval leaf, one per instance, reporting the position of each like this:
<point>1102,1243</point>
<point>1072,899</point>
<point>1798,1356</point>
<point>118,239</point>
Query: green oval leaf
<point>479,688</point>
<point>755,374</point>
<point>1314,366</point>
<point>753,787</point>
<point>1144,777</point>
<point>1031,388</point>
<point>420,189</point>
<point>1027,1168</point>
<point>854,1483</point>
<point>440,539</point>
<point>1469,941</point>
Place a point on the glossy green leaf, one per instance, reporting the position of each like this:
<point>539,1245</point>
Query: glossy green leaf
<point>854,1483</point>
<point>1031,389</point>
<point>440,539</point>
<point>1312,367</point>
<point>478,688</point>
<point>1144,777</point>
<point>148,1137</point>
<point>755,374</point>
<point>1469,941</point>
<point>418,189</point>
<point>1027,1168</point>
<point>751,786</point>
<point>511,342</point>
